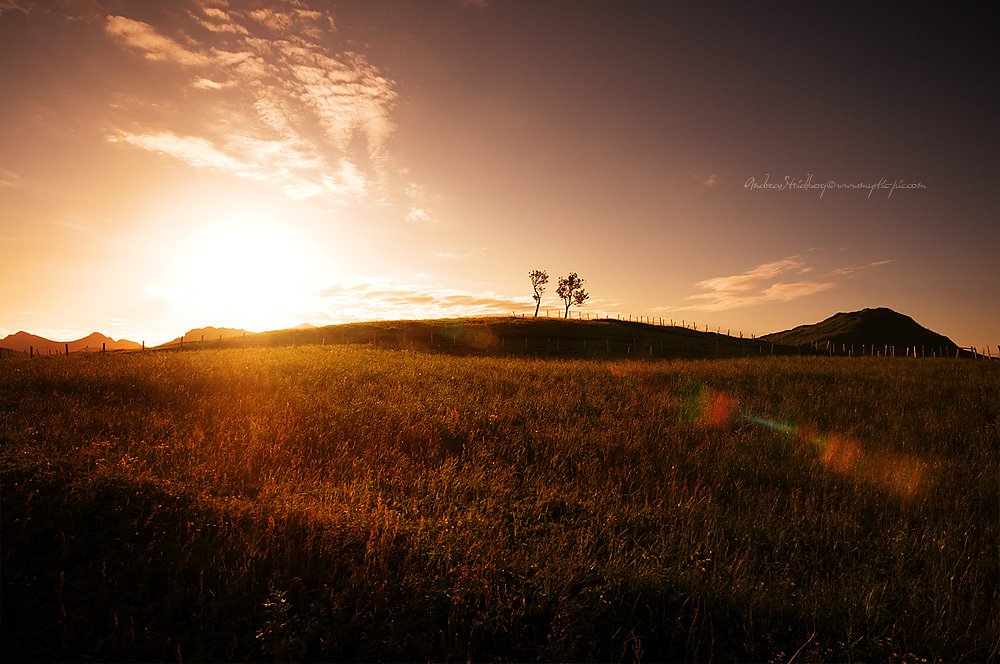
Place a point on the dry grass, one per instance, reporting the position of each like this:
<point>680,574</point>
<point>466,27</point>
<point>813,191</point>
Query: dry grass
<point>332,503</point>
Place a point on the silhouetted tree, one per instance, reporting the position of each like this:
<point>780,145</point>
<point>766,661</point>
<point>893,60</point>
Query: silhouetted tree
<point>538,280</point>
<point>571,291</point>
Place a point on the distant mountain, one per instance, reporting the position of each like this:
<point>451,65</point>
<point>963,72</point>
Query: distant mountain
<point>23,341</point>
<point>870,327</point>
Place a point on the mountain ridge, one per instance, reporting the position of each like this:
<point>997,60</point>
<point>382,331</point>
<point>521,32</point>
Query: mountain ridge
<point>877,327</point>
<point>862,332</point>
<point>22,342</point>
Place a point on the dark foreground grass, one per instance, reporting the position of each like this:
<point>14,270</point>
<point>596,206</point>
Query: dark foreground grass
<point>356,504</point>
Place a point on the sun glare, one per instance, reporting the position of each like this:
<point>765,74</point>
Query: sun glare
<point>244,269</point>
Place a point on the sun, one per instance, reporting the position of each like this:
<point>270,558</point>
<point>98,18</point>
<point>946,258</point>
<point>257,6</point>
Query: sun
<point>242,268</point>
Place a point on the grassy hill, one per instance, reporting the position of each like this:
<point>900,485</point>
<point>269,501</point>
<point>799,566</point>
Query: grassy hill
<point>508,335</point>
<point>869,328</point>
<point>210,334</point>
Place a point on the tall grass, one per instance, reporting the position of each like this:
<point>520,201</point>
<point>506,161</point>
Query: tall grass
<point>333,503</point>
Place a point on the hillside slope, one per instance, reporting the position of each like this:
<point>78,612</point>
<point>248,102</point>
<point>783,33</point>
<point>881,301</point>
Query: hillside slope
<point>877,328</point>
<point>508,335</point>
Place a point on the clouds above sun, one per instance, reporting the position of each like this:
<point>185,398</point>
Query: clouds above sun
<point>278,103</point>
<point>398,141</point>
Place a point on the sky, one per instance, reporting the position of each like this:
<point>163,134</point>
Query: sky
<point>263,164</point>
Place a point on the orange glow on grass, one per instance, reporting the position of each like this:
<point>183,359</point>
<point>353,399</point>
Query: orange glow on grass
<point>902,475</point>
<point>707,406</point>
<point>840,454</point>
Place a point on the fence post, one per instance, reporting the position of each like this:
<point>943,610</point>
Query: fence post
<point>67,350</point>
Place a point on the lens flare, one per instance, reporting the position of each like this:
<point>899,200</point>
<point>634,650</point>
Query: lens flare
<point>901,475</point>
<point>708,406</point>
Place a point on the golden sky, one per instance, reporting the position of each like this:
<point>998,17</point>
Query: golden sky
<point>170,165</point>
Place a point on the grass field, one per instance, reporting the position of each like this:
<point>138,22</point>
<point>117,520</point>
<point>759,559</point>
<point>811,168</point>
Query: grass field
<point>352,503</point>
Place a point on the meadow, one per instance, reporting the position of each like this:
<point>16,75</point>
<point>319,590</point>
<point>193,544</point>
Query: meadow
<point>354,503</point>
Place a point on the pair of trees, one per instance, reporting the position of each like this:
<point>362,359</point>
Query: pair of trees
<point>570,290</point>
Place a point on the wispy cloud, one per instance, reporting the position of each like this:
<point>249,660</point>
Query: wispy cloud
<point>11,180</point>
<point>274,161</point>
<point>421,204</point>
<point>754,278</point>
<point>217,20</point>
<point>373,299</point>
<point>777,281</point>
<point>768,282</point>
<point>786,291</point>
<point>347,182</point>
<point>14,6</point>
<point>209,84</point>
<point>290,110</point>
<point>418,215</point>
<point>155,46</point>
<point>194,150</point>
<point>854,269</point>
<point>74,223</point>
